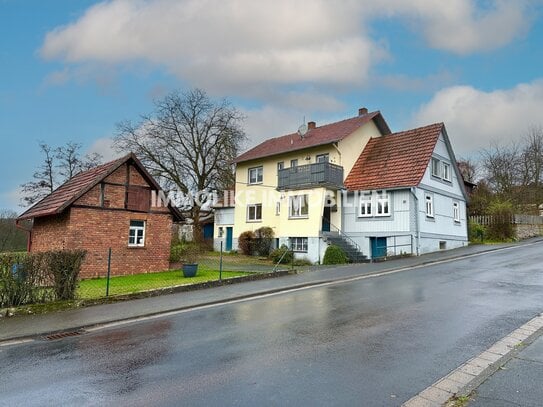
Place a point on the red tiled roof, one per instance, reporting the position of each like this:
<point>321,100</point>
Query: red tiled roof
<point>396,160</point>
<point>326,134</point>
<point>71,190</point>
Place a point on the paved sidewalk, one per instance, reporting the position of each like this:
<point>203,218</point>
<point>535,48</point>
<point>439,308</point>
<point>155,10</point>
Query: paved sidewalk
<point>33,325</point>
<point>518,383</point>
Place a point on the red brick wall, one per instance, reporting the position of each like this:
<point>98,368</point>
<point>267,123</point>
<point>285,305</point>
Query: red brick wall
<point>97,229</point>
<point>49,233</point>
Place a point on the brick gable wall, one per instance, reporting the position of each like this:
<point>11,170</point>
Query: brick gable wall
<point>86,225</point>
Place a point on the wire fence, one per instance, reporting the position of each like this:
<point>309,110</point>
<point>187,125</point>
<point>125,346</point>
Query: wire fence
<point>204,268</point>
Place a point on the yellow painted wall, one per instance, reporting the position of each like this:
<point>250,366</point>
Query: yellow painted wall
<point>349,150</point>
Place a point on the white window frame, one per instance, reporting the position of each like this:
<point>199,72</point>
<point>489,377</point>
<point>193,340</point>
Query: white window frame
<point>254,207</point>
<point>366,203</point>
<point>280,166</point>
<point>299,244</point>
<point>382,202</point>
<point>429,205</point>
<point>277,208</point>
<point>138,238</point>
<point>258,173</point>
<point>456,212</point>
<point>295,210</point>
<point>446,169</point>
<point>435,167</point>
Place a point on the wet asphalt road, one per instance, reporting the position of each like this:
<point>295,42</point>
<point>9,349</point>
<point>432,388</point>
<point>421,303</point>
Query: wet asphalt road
<point>373,342</point>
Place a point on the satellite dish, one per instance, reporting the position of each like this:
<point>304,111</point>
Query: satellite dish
<point>302,130</point>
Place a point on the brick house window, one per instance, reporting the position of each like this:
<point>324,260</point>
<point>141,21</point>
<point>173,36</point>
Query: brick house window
<point>136,233</point>
<point>254,213</point>
<point>299,244</point>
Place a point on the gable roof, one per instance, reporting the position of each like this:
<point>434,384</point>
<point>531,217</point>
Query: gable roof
<point>395,160</point>
<point>73,189</point>
<point>326,134</point>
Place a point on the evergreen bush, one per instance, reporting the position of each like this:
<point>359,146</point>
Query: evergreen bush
<point>334,255</point>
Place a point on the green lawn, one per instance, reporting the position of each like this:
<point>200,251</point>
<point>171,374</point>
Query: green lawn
<point>96,287</point>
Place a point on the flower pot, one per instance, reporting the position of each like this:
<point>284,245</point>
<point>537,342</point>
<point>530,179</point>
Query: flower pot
<point>189,270</point>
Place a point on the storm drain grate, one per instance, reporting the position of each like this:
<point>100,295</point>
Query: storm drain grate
<point>61,335</point>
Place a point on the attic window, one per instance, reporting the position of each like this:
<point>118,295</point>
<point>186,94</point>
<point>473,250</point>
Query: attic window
<point>435,168</point>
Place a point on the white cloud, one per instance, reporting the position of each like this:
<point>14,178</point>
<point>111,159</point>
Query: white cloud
<point>104,146</point>
<point>475,118</point>
<point>462,26</point>
<point>235,46</point>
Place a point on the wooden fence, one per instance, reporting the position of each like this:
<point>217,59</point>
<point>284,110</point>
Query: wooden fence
<point>515,220</point>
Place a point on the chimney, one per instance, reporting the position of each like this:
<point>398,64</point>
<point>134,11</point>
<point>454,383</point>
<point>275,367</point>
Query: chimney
<point>311,125</point>
<point>362,111</point>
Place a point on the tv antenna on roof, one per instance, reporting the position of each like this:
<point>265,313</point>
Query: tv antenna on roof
<point>302,130</point>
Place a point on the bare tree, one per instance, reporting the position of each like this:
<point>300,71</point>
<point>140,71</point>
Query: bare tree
<point>44,178</point>
<point>59,165</point>
<point>502,165</point>
<point>188,142</point>
<point>468,169</point>
<point>532,157</point>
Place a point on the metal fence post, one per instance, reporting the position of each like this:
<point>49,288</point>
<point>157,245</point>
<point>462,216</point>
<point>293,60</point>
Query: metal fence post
<point>220,264</point>
<point>108,271</point>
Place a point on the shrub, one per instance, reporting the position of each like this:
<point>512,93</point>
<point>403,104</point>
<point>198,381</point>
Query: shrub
<point>176,252</point>
<point>263,241</point>
<point>501,227</point>
<point>246,242</point>
<point>476,232</point>
<point>283,254</point>
<point>39,277</point>
<point>334,255</point>
<point>64,267</point>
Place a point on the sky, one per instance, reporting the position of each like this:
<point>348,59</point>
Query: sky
<point>70,70</point>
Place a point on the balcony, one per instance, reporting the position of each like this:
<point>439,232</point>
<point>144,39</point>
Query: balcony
<point>318,175</point>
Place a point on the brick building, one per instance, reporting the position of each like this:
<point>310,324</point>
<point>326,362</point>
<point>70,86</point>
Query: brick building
<point>107,206</point>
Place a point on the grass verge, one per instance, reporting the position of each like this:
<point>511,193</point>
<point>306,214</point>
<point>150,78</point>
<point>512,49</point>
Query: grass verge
<point>96,287</point>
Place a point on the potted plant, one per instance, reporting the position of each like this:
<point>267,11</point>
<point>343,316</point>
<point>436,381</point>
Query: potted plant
<point>190,258</point>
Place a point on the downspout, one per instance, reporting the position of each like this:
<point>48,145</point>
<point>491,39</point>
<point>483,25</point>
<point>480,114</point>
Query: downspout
<point>338,151</point>
<point>29,231</point>
<point>413,191</point>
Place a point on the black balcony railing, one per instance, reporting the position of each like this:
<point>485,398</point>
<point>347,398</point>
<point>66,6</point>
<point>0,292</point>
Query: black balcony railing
<point>325,175</point>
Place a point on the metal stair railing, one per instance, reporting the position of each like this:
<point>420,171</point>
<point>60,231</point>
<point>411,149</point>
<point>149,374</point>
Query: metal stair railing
<point>342,234</point>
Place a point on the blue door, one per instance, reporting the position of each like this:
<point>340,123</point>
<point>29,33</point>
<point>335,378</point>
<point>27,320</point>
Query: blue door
<point>378,247</point>
<point>228,239</point>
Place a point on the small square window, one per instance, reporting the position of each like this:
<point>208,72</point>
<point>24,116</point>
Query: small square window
<point>299,244</point>
<point>254,213</point>
<point>136,233</point>
<point>280,166</point>
<point>293,163</point>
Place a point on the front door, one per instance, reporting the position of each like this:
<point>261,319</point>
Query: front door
<point>326,219</point>
<point>229,233</point>
<point>378,247</point>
